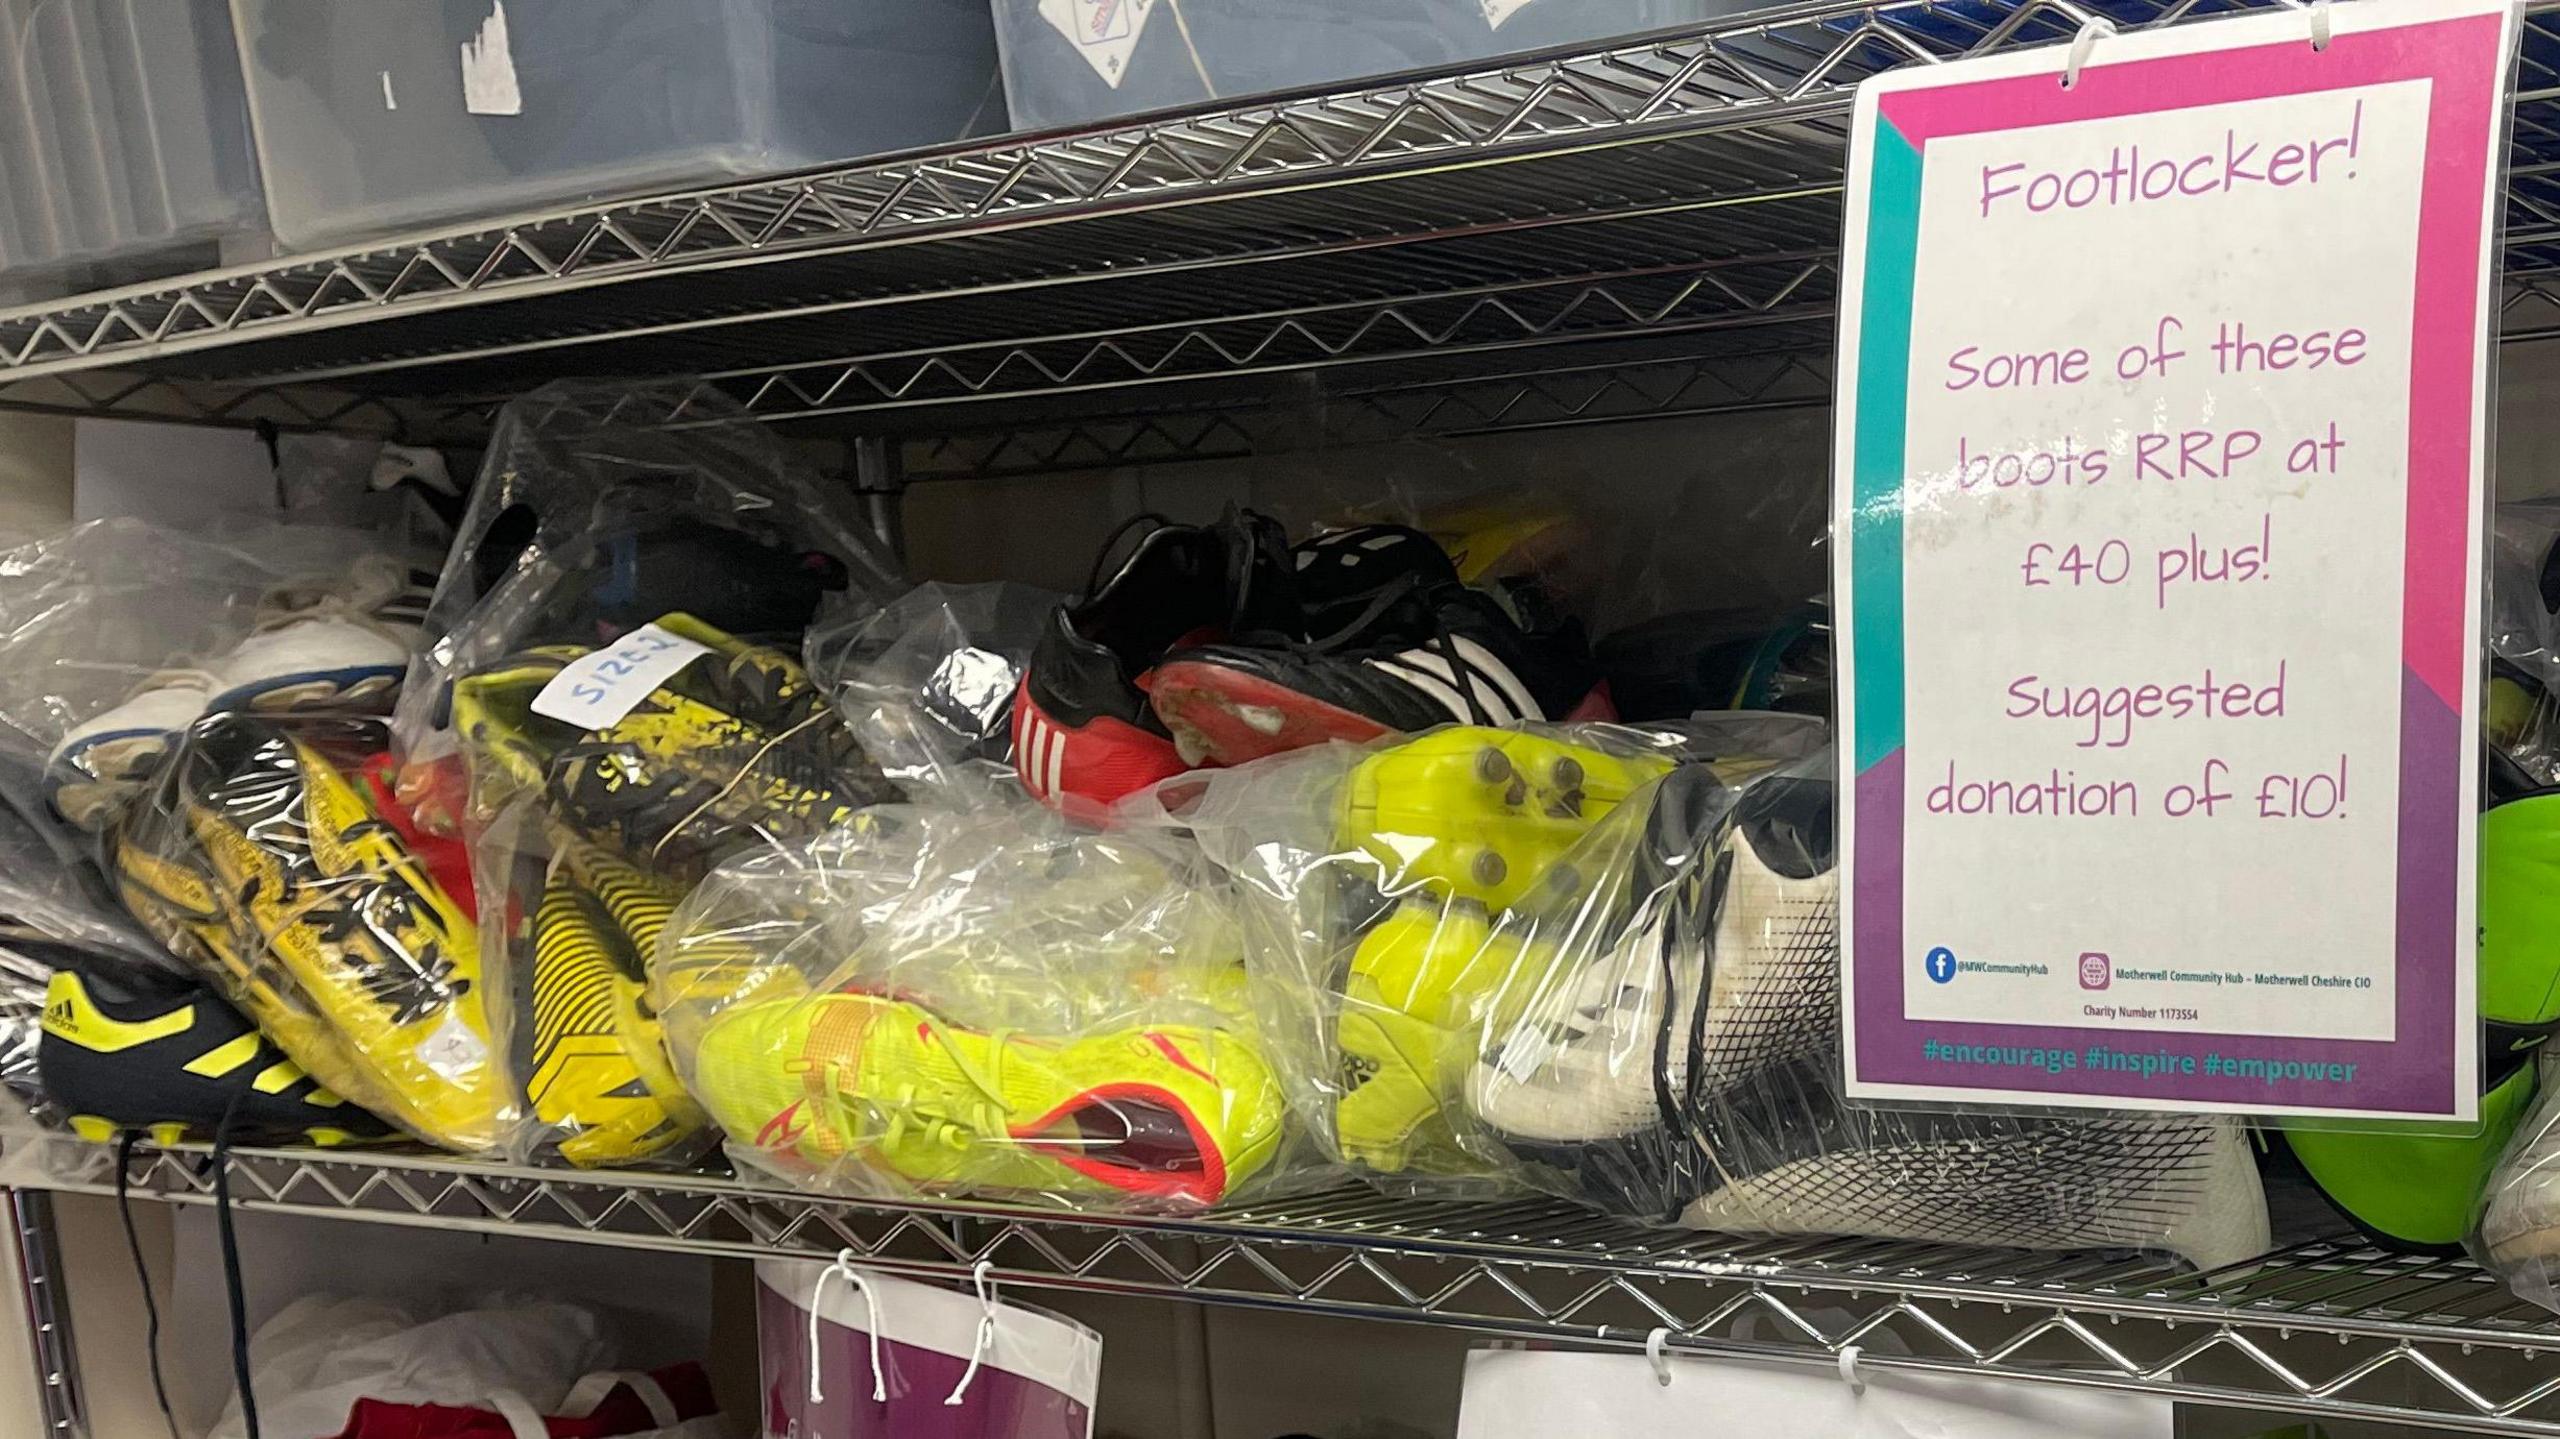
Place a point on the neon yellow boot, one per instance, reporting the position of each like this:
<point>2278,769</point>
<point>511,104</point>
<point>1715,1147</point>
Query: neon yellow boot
<point>1483,814</point>
<point>1426,986</point>
<point>1163,1113</point>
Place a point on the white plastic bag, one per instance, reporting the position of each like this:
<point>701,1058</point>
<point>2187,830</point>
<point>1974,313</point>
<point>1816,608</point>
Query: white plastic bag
<point>320,1354</point>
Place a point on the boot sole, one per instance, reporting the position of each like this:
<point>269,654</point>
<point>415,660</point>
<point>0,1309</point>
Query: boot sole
<point>1224,716</point>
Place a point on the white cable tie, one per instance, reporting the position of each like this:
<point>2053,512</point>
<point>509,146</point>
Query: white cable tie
<point>2319,24</point>
<point>843,1268</point>
<point>2099,27</point>
<point>1849,1374</point>
<point>1654,1356</point>
<point>985,1338</point>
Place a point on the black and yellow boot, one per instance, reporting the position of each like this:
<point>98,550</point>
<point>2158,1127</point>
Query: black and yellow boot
<point>128,1048</point>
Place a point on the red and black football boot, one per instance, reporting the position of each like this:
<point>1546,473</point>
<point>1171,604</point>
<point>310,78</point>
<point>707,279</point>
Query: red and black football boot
<point>1424,651</point>
<point>1083,733</point>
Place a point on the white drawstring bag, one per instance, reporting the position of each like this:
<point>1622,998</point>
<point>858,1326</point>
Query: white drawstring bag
<point>852,1354</point>
<point>584,1396</point>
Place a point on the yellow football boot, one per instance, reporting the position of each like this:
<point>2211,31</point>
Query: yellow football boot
<point>1483,814</point>
<point>1426,986</point>
<point>598,1072</point>
<point>736,747</point>
<point>1163,1113</point>
<point>339,914</point>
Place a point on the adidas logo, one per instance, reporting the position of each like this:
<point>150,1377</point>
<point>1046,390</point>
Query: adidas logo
<point>60,1018</point>
<point>1467,680</point>
<point>1039,752</point>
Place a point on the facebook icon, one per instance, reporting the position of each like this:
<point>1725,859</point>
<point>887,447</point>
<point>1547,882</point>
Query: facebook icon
<point>1941,964</point>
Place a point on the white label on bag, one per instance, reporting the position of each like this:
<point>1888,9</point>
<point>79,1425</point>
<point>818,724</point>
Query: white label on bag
<point>1103,31</point>
<point>489,69</point>
<point>1497,11</point>
<point>598,689</point>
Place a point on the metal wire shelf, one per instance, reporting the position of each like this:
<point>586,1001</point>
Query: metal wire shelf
<point>1695,148</point>
<point>2327,1328</point>
<point>1651,198</point>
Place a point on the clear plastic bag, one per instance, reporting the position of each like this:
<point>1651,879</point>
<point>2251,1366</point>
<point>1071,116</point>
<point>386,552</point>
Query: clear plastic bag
<point>589,837</point>
<point>934,1001</point>
<point>928,680</point>
<point>1603,962</point>
<point>115,634</point>
<point>2522,708</point>
<point>26,968</point>
<point>50,879</point>
<point>1403,898</point>
<point>272,856</point>
<point>594,516</point>
<point>2519,1229</point>
<point>2518,1205</point>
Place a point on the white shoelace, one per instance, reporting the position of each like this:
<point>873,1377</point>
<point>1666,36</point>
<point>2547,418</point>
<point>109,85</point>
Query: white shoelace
<point>352,596</point>
<point>843,1268</point>
<point>985,1337</point>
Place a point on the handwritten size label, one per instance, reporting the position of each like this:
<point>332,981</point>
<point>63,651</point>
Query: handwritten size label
<point>2158,537</point>
<point>598,689</point>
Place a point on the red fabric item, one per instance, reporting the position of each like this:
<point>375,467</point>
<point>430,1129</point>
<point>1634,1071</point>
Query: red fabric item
<point>447,859</point>
<point>622,1412</point>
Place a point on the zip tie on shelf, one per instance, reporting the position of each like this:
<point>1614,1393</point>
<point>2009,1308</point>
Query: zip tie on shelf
<point>842,1267</point>
<point>2319,24</point>
<point>1654,1356</point>
<point>986,1335</point>
<point>1849,1374</point>
<point>2099,27</point>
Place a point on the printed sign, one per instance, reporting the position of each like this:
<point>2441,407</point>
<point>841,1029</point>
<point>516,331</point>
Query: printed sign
<point>2158,504</point>
<point>599,688</point>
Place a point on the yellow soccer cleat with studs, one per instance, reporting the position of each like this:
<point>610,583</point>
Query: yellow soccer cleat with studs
<point>1167,1114</point>
<point>1484,814</point>
<point>268,859</point>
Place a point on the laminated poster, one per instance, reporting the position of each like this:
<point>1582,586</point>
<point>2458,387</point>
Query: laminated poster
<point>2158,505</point>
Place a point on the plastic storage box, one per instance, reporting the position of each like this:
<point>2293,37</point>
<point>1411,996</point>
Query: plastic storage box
<point>1076,62</point>
<point>124,131</point>
<point>376,117</point>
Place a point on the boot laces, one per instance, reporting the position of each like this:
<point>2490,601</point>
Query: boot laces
<point>951,1120</point>
<point>1470,679</point>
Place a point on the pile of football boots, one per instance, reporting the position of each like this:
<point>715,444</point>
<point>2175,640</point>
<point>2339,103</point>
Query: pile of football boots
<point>1604,963</point>
<point>1533,947</point>
<point>610,827</point>
<point>1214,645</point>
